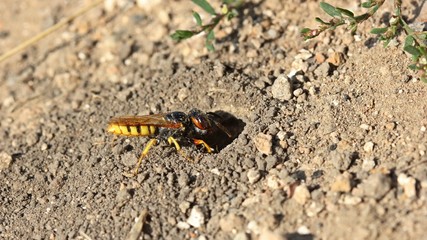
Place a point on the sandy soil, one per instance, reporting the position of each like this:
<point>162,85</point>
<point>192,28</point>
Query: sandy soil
<point>329,137</point>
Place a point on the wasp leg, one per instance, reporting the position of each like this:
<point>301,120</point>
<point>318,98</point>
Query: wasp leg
<point>143,154</point>
<point>200,141</point>
<point>173,141</point>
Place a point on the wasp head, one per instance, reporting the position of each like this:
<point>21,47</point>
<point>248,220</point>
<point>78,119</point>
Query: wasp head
<point>200,121</point>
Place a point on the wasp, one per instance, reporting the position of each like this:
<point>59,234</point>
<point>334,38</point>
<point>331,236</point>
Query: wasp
<point>171,127</point>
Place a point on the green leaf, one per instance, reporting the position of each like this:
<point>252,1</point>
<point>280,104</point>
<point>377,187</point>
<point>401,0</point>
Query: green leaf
<point>379,30</point>
<point>362,17</point>
<point>412,50</point>
<point>330,10</point>
<point>211,35</point>
<point>424,79</point>
<point>209,39</point>
<point>198,19</point>
<point>305,30</point>
<point>346,12</point>
<point>386,42</point>
<point>205,6</point>
<point>413,66</point>
<point>423,50</point>
<point>321,21</point>
<point>409,41</point>
<point>179,35</point>
<point>367,4</point>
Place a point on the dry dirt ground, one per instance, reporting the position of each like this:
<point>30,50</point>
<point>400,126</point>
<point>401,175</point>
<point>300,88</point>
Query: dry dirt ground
<point>329,140</point>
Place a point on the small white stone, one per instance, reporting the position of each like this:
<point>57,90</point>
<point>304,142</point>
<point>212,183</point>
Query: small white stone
<point>301,194</point>
<point>44,146</point>
<point>364,126</point>
<point>304,54</point>
<point>408,184</point>
<point>183,94</point>
<point>313,209</point>
<point>182,225</point>
<point>253,176</point>
<point>298,92</point>
<point>274,182</point>
<point>196,218</point>
<point>368,147</point>
<point>282,88</point>
<point>264,142</point>
<point>5,160</point>
<point>215,171</point>
<point>351,200</point>
<point>281,135</point>
<point>303,230</point>
<point>253,226</point>
<point>368,164</point>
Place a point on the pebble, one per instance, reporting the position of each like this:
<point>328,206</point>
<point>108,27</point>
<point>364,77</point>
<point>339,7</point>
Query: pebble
<point>274,182</point>
<point>44,147</point>
<point>364,126</point>
<point>122,196</point>
<point>272,34</point>
<point>409,185</point>
<point>343,183</point>
<point>368,147</point>
<point>320,58</point>
<point>260,84</point>
<point>232,223</point>
<point>182,225</point>
<point>219,69</point>
<point>341,160</point>
<point>252,53</point>
<point>271,162</point>
<point>32,138</point>
<point>281,135</point>
<point>368,164</point>
<point>390,126</point>
<point>298,92</point>
<point>253,176</point>
<point>264,142</point>
<point>5,160</point>
<point>314,209</point>
<point>336,58</point>
<point>196,218</point>
<point>184,206</point>
<point>351,200</point>
<point>253,227</point>
<point>304,55</point>
<point>299,65</point>
<point>323,70</point>
<point>282,88</point>
<point>301,194</point>
<point>183,94</point>
<point>303,230</point>
<point>376,186</point>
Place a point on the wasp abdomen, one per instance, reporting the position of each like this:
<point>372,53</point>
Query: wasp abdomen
<point>128,130</point>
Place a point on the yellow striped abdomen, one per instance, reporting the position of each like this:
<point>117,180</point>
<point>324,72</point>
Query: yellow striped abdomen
<point>127,130</point>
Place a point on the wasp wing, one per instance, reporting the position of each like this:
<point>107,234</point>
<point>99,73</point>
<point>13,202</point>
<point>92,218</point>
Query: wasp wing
<point>156,120</point>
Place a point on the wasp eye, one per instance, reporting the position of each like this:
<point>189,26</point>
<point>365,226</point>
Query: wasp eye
<point>200,123</point>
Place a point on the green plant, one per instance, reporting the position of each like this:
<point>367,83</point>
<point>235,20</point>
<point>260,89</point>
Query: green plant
<point>228,11</point>
<point>415,42</point>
